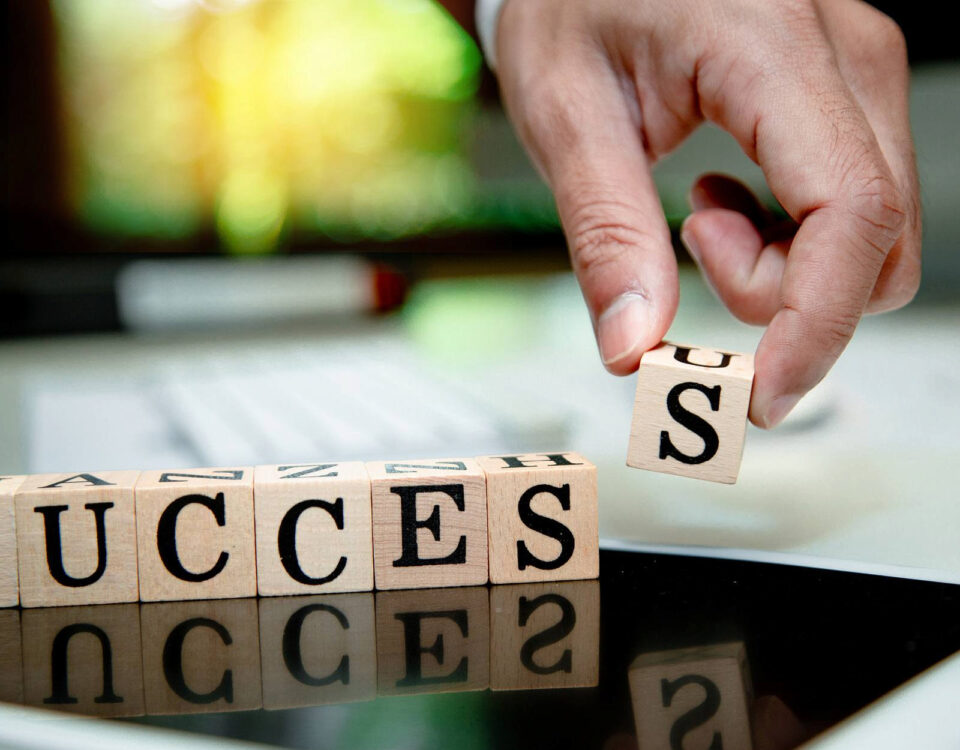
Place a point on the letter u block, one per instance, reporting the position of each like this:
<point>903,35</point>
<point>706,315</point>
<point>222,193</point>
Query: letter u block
<point>542,522</point>
<point>313,528</point>
<point>84,660</point>
<point>429,523</point>
<point>77,538</point>
<point>690,412</point>
<point>195,534</point>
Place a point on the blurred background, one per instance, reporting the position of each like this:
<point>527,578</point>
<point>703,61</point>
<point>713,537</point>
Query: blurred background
<point>253,231</point>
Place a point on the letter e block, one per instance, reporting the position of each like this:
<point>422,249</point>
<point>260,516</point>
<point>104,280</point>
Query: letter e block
<point>429,523</point>
<point>314,530</point>
<point>690,412</point>
<point>195,534</point>
<point>9,581</point>
<point>692,697</point>
<point>435,641</point>
<point>318,649</point>
<point>545,635</point>
<point>84,660</point>
<point>542,517</point>
<point>77,538</point>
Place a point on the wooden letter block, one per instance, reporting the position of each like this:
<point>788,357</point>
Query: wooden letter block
<point>690,414</point>
<point>77,539</point>
<point>201,657</point>
<point>195,534</point>
<point>429,523</point>
<point>542,517</point>
<point>545,635</point>
<point>692,697</point>
<point>318,649</point>
<point>84,659</point>
<point>314,531</point>
<point>11,668</point>
<point>9,581</point>
<point>435,641</point>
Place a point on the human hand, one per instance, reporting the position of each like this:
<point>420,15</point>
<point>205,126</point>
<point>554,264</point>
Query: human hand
<point>814,91</point>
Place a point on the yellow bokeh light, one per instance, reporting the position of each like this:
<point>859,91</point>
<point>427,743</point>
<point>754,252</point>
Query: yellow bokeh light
<point>259,115</point>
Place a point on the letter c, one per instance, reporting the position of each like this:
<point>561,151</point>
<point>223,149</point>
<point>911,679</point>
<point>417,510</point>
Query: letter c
<point>167,536</point>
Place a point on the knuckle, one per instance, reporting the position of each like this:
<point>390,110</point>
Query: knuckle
<point>879,212</point>
<point>600,246</point>
<point>888,38</point>
<point>830,328</point>
<point>550,115</point>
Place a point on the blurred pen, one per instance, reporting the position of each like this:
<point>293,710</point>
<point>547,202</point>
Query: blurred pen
<point>213,292</point>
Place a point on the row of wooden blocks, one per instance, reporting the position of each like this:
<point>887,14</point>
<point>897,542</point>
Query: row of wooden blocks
<point>283,652</point>
<point>124,536</point>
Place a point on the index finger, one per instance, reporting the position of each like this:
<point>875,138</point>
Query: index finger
<point>822,162</point>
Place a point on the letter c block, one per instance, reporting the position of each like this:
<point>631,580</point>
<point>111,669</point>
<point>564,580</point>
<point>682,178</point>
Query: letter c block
<point>77,538</point>
<point>313,528</point>
<point>195,534</point>
<point>690,412</point>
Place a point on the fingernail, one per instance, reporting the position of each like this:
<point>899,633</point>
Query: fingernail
<point>623,327</point>
<point>780,407</point>
<point>690,242</point>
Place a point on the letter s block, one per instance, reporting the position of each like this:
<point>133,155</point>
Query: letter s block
<point>313,528</point>
<point>77,539</point>
<point>542,517</point>
<point>692,697</point>
<point>195,534</point>
<point>429,523</point>
<point>690,412</point>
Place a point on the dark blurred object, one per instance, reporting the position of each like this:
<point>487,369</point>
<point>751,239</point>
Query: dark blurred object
<point>31,152</point>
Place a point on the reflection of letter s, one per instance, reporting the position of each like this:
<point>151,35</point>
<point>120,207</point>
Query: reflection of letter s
<point>547,637</point>
<point>696,716</point>
<point>698,425</point>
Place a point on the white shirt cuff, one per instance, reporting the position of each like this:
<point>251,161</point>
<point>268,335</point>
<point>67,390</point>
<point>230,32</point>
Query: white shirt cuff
<point>488,13</point>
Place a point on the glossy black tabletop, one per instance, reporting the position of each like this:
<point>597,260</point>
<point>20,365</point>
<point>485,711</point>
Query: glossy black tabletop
<point>662,651</point>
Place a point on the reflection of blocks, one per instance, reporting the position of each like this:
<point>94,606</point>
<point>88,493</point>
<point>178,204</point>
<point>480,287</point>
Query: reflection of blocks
<point>690,413</point>
<point>195,534</point>
<point>542,517</point>
<point>313,529</point>
<point>84,659</point>
<point>545,635</point>
<point>429,523</point>
<point>201,657</point>
<point>317,649</point>
<point>9,583</point>
<point>77,539</point>
<point>435,641</point>
<point>11,668</point>
<point>690,697</point>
